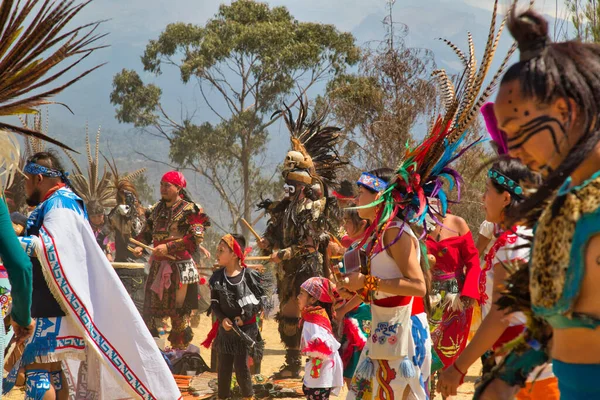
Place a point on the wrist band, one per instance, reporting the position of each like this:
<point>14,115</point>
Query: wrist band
<point>462,374</point>
<point>371,283</point>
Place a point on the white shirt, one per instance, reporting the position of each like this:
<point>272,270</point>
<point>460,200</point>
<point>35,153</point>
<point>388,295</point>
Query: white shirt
<point>331,374</point>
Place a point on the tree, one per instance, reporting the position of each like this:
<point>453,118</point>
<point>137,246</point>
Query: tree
<point>381,104</point>
<point>585,16</point>
<point>251,57</point>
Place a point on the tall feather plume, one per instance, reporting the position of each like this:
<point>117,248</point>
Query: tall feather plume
<point>424,169</point>
<point>315,140</point>
<point>34,45</point>
<point>93,187</point>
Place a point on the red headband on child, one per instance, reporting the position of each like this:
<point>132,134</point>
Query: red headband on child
<point>236,248</point>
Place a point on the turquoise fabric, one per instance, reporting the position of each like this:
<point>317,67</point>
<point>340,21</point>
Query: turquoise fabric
<point>577,381</point>
<point>18,266</point>
<point>587,227</point>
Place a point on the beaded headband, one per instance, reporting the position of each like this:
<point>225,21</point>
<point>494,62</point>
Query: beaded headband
<point>372,182</point>
<point>511,186</point>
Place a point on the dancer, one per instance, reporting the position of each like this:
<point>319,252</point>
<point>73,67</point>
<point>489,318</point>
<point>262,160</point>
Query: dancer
<point>175,227</point>
<point>237,296</point>
<point>455,284</point>
<point>323,371</point>
<point>297,232</point>
<point>354,315</point>
<point>547,106</point>
<point>398,355</point>
<point>77,297</point>
<point>505,189</point>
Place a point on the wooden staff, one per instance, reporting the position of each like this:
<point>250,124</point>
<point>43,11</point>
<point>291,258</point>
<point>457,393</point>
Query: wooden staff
<point>267,258</point>
<point>149,248</point>
<point>251,229</point>
<point>127,265</point>
<point>336,240</point>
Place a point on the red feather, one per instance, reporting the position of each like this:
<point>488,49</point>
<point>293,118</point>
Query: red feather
<point>317,348</point>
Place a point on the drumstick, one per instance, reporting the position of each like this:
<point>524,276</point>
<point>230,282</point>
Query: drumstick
<point>251,229</point>
<point>149,248</point>
<point>127,265</point>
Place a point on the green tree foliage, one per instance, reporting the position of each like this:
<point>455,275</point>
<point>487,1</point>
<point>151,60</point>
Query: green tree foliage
<point>251,58</point>
<point>381,103</point>
<point>585,17</point>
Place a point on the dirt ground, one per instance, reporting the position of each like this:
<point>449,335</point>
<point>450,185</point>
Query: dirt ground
<point>274,356</point>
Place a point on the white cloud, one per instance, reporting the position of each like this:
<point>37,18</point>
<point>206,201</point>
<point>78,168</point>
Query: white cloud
<point>553,8</point>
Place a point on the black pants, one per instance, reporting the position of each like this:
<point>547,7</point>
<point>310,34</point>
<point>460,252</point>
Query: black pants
<point>226,364</point>
<point>316,393</point>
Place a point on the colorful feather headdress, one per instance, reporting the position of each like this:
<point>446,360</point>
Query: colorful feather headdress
<point>424,169</point>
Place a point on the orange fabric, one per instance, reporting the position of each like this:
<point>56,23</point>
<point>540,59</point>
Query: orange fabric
<point>546,389</point>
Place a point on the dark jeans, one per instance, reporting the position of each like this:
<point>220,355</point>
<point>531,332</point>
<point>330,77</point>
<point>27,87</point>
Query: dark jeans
<point>226,364</point>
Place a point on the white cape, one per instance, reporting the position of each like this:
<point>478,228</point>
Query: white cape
<point>120,351</point>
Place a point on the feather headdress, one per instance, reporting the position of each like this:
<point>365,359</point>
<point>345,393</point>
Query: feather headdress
<point>423,169</point>
<point>314,146</point>
<point>94,189</point>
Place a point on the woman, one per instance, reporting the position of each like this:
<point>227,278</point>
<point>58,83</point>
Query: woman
<point>504,191</point>
<point>398,360</point>
<point>548,105</point>
<point>455,285</point>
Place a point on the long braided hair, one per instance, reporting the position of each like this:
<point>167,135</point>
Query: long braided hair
<point>550,71</point>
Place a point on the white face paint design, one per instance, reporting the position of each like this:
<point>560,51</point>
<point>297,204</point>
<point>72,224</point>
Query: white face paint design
<point>289,190</point>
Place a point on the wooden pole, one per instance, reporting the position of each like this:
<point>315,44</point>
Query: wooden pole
<point>251,229</point>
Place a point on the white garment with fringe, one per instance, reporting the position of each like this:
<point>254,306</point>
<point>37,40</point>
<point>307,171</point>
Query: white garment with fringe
<point>122,360</point>
<point>330,367</point>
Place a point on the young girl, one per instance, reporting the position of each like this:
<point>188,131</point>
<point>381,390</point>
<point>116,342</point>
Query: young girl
<point>237,297</point>
<point>397,359</point>
<point>354,315</point>
<point>323,371</point>
<point>504,190</point>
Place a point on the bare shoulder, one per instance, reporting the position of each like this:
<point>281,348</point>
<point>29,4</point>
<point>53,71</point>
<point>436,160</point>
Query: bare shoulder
<point>458,224</point>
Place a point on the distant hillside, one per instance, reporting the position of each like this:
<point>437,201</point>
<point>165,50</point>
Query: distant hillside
<point>134,22</point>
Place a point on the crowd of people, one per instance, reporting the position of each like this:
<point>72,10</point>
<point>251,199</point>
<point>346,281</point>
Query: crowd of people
<point>381,288</point>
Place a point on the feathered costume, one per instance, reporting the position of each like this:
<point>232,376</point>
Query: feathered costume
<point>180,227</point>
<point>298,225</point>
<point>420,177</point>
<point>121,360</point>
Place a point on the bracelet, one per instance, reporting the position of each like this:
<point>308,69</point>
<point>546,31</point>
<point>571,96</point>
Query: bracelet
<point>371,283</point>
<point>462,374</point>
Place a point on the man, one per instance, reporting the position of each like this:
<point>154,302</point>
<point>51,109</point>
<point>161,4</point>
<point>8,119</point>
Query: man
<point>175,228</point>
<point>297,232</point>
<point>88,341</point>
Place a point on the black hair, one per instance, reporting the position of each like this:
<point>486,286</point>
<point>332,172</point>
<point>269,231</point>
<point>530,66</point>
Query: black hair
<point>356,220</point>
<point>240,239</point>
<point>385,174</point>
<point>518,172</point>
<point>550,71</point>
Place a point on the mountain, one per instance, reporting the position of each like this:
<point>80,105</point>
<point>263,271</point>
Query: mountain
<point>133,23</point>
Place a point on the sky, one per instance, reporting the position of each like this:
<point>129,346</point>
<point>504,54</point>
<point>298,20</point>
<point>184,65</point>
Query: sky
<point>132,23</point>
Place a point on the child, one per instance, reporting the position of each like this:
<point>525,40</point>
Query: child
<point>237,297</point>
<point>354,315</point>
<point>323,373</point>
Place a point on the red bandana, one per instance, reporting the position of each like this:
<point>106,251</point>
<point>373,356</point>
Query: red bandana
<point>317,316</point>
<point>237,250</point>
<point>321,289</point>
<point>175,178</point>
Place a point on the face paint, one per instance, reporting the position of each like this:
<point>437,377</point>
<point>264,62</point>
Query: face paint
<point>289,190</point>
<point>538,125</point>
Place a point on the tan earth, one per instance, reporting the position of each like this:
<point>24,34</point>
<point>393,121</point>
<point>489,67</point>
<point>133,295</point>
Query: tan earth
<point>274,359</point>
